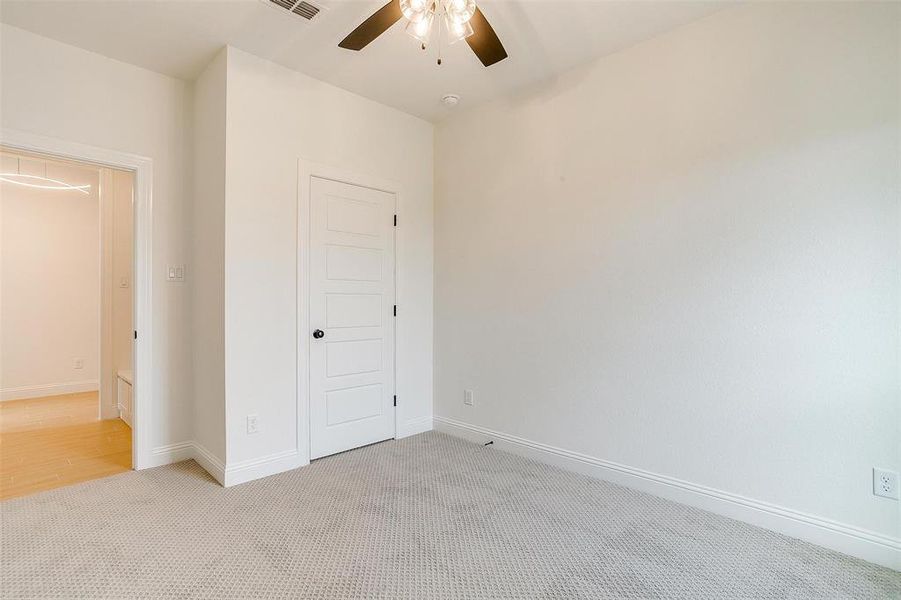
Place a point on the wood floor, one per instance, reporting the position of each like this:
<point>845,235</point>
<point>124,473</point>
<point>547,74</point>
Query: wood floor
<point>55,441</point>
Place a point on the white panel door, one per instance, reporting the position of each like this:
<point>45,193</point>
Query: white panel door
<point>351,316</point>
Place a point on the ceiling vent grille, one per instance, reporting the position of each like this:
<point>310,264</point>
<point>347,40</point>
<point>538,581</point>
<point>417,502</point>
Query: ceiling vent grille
<point>303,8</point>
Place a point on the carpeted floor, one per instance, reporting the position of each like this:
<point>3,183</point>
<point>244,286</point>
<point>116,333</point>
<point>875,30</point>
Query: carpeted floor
<point>426,517</point>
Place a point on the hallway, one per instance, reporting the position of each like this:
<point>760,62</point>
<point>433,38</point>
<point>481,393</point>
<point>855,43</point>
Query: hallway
<point>55,441</point>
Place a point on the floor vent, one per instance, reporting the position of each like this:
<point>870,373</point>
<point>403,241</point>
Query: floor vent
<point>304,9</point>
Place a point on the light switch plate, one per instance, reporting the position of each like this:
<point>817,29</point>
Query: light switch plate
<point>175,273</point>
<point>467,397</point>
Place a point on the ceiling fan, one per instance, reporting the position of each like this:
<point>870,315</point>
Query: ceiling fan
<point>460,19</point>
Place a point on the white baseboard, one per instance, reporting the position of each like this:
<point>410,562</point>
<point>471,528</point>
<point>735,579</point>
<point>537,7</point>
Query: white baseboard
<point>837,536</point>
<point>258,468</point>
<point>414,426</point>
<point>180,451</point>
<point>170,453</point>
<point>50,389</point>
<point>226,475</point>
<point>209,461</point>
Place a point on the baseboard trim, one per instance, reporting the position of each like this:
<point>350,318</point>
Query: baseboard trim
<point>414,426</point>
<point>171,453</point>
<point>226,475</point>
<point>50,389</point>
<point>837,536</point>
<point>257,468</point>
<point>180,451</point>
<point>209,461</point>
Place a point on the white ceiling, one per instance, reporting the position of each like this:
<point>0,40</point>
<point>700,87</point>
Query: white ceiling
<point>179,37</point>
<point>26,164</point>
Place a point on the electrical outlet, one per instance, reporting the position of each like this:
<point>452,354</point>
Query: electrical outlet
<point>885,483</point>
<point>253,424</point>
<point>78,363</point>
<point>467,397</point>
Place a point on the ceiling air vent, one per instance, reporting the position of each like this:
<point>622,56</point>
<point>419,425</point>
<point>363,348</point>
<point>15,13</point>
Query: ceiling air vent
<point>303,8</point>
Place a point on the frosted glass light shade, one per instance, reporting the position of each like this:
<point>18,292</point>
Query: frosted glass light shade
<point>415,10</point>
<point>459,11</point>
<point>457,31</point>
<point>422,29</point>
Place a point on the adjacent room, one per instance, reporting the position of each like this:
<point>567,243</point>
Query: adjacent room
<point>65,323</point>
<point>450,299</point>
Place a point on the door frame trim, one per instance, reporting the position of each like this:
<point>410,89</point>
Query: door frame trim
<point>142,297</point>
<point>306,170</point>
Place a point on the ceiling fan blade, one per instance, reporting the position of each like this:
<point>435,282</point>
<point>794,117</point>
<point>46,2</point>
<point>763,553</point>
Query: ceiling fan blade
<point>484,42</point>
<point>373,27</point>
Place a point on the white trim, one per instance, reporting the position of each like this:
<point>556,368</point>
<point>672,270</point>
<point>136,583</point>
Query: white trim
<point>171,453</point>
<point>302,344</point>
<point>307,169</point>
<point>848,539</point>
<point>143,271</point>
<point>256,468</point>
<point>181,451</point>
<point>414,426</point>
<point>50,389</point>
<point>209,461</point>
<point>227,476</point>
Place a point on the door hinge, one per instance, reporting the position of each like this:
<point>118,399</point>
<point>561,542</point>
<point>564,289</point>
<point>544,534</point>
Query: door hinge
<point>395,401</point>
<point>395,220</point>
<point>395,310</point>
<point>136,334</point>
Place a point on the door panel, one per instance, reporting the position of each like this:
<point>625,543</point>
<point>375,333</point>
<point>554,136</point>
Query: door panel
<point>352,357</point>
<point>354,404</point>
<point>353,310</point>
<point>346,263</point>
<point>349,216</point>
<point>352,302</point>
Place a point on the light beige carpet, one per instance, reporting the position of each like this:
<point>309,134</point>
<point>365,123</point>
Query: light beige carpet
<point>425,517</point>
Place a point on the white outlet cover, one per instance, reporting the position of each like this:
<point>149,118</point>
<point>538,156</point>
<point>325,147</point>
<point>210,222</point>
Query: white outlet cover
<point>467,397</point>
<point>78,363</point>
<point>253,424</point>
<point>885,483</point>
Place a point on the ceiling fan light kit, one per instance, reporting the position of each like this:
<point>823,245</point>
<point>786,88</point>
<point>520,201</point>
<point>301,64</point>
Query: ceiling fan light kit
<point>459,20</point>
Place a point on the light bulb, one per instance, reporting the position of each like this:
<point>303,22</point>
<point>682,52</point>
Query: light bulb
<point>421,29</point>
<point>414,10</point>
<point>459,11</point>
<point>457,31</point>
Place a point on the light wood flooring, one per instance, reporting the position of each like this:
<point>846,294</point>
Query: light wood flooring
<point>51,442</point>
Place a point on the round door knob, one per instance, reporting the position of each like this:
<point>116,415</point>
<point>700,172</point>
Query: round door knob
<point>318,334</point>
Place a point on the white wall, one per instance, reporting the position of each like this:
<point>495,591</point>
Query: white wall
<point>274,117</point>
<point>208,270</point>
<point>79,96</point>
<point>684,258</point>
<point>50,290</point>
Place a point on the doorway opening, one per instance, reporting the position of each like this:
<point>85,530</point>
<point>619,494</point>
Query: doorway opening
<point>66,321</point>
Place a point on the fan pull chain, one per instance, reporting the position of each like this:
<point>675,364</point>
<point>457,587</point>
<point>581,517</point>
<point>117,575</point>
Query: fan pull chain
<point>439,39</point>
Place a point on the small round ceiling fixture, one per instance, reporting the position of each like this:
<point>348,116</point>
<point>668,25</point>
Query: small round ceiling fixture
<point>451,100</point>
